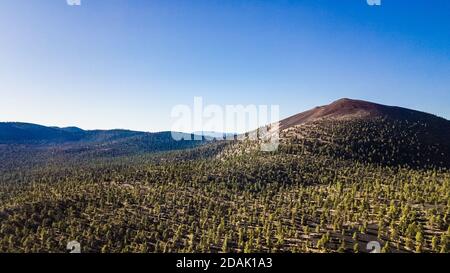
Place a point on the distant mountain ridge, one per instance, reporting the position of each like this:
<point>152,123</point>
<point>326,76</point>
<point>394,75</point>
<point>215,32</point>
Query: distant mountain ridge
<point>211,135</point>
<point>28,133</point>
<point>16,137</point>
<point>17,132</point>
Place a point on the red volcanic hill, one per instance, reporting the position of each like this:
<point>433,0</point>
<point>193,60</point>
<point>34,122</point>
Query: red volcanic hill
<point>353,109</point>
<point>370,132</point>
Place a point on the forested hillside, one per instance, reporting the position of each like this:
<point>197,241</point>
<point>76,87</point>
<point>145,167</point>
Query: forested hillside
<point>335,183</point>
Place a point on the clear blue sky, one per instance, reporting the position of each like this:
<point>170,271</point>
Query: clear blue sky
<point>125,64</point>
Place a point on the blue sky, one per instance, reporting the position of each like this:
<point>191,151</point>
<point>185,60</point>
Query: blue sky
<point>126,64</point>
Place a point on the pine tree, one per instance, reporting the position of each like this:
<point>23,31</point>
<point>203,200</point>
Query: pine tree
<point>419,242</point>
<point>444,244</point>
<point>434,243</point>
<point>356,248</point>
<point>386,248</point>
<point>225,244</point>
<point>341,248</point>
